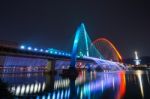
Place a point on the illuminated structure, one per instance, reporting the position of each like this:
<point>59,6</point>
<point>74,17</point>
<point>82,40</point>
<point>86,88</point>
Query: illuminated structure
<point>101,53</point>
<point>137,60</point>
<point>101,48</point>
<point>108,50</point>
<point>81,45</point>
<point>75,45</point>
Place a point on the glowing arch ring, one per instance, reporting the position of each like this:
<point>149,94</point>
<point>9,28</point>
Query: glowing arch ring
<point>111,44</point>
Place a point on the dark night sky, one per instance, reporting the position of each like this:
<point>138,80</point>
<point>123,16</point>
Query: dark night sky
<point>52,23</point>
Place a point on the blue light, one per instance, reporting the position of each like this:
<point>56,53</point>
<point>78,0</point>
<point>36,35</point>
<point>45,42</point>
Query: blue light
<point>41,50</point>
<point>51,52</point>
<point>48,97</point>
<point>53,97</point>
<point>37,97</point>
<point>46,51</point>
<point>62,94</point>
<point>35,49</point>
<point>58,95</point>
<point>22,47</point>
<point>59,53</point>
<point>68,93</point>
<point>77,90</point>
<point>63,53</point>
<point>55,52</point>
<point>29,48</point>
<point>67,54</point>
<point>75,45</point>
<point>43,97</point>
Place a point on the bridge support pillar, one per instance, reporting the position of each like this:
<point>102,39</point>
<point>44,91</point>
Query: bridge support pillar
<point>50,66</point>
<point>49,82</point>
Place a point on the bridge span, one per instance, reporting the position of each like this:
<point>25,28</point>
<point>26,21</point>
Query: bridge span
<point>98,54</point>
<point>15,58</point>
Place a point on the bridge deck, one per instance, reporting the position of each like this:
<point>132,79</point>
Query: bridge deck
<point>7,51</point>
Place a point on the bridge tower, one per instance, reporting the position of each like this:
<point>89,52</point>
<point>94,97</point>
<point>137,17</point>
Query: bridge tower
<point>81,29</point>
<point>86,39</point>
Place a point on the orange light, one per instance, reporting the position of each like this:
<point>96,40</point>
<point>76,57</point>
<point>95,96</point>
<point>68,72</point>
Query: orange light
<point>112,45</point>
<point>122,89</point>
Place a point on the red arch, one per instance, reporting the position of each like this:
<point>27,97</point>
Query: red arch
<point>112,45</point>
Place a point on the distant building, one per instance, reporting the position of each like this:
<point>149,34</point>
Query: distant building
<point>137,60</point>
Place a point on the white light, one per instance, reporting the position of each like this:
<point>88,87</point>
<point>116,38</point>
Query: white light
<point>137,60</point>
<point>22,47</point>
<point>27,89</point>
<point>43,87</point>
<point>31,88</point>
<point>41,50</point>
<point>35,49</point>
<point>35,87</point>
<point>39,88</point>
<point>29,48</point>
<point>22,90</point>
<point>13,89</point>
<point>17,90</point>
<point>46,51</point>
<point>136,55</point>
<point>139,75</point>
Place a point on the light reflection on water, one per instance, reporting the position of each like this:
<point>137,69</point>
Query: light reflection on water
<point>88,85</point>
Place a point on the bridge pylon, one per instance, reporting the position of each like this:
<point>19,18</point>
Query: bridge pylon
<point>81,29</point>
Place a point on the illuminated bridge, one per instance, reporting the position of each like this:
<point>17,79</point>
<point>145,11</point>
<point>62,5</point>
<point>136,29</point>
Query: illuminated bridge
<point>100,53</point>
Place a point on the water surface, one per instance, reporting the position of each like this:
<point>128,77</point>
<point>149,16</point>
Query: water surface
<point>88,85</point>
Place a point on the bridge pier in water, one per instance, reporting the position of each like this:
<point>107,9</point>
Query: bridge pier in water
<point>50,66</point>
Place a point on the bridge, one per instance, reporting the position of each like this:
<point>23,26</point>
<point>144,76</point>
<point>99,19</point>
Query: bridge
<point>99,53</point>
